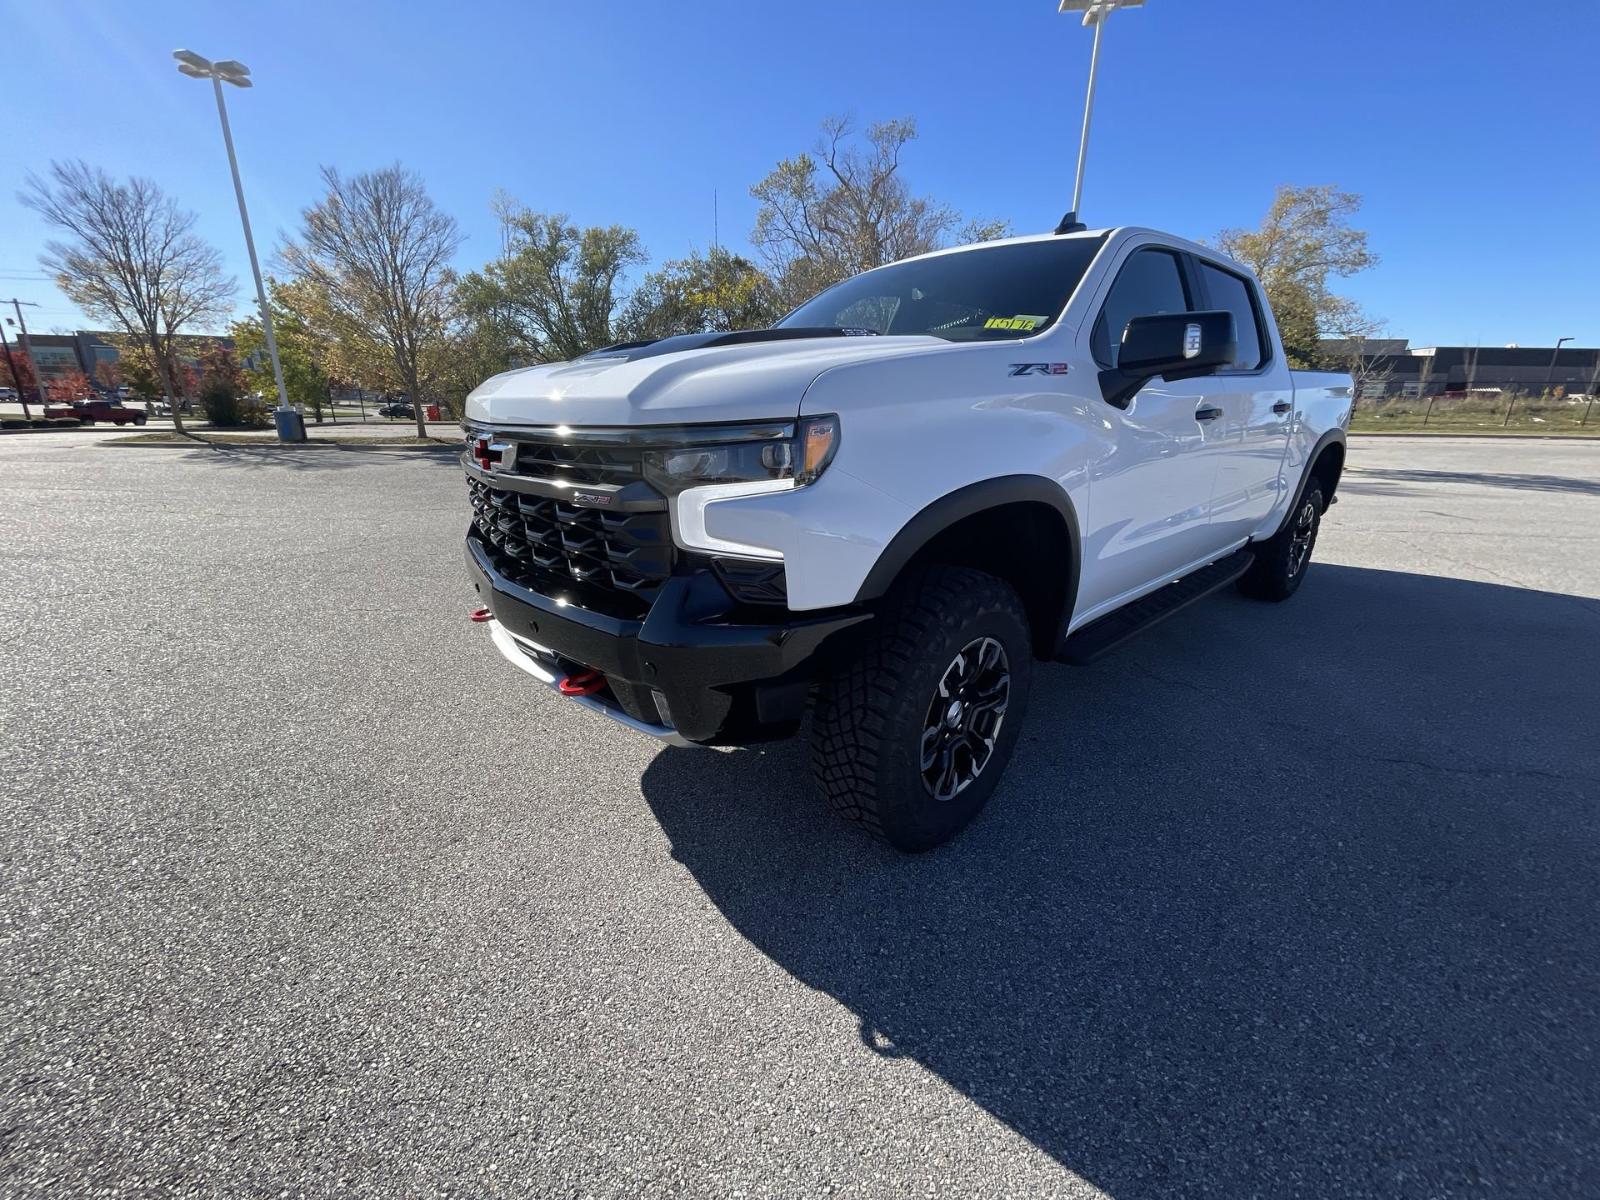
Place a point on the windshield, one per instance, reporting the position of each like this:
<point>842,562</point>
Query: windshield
<point>993,292</point>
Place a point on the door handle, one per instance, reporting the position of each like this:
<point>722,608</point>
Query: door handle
<point>1282,406</point>
<point>1207,413</point>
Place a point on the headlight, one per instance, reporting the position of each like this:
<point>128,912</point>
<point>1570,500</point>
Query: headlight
<point>801,458</point>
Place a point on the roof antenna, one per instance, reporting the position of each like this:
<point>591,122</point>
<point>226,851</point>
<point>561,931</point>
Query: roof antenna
<point>1071,224</point>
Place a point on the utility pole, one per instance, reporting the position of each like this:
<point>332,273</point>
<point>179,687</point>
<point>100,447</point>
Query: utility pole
<point>27,348</point>
<point>16,377</point>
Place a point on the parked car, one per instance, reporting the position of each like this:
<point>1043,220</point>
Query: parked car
<point>90,411</point>
<point>891,505</point>
<point>397,409</point>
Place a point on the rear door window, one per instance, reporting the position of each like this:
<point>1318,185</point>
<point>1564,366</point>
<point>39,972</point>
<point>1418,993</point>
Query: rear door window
<point>1225,290</point>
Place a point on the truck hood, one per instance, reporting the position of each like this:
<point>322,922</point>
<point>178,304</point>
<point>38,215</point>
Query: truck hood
<point>714,378</point>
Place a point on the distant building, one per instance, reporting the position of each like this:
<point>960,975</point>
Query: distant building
<point>87,350</point>
<point>1392,367</point>
<point>54,355</point>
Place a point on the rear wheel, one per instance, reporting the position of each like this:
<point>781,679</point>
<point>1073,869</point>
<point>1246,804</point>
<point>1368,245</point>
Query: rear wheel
<point>911,738</point>
<point>1282,560</point>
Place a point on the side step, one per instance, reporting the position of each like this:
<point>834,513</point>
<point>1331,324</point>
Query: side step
<point>1111,630</point>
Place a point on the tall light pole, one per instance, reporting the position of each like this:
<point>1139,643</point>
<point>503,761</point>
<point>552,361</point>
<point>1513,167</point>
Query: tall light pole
<point>1550,373</point>
<point>1094,13</point>
<point>290,429</point>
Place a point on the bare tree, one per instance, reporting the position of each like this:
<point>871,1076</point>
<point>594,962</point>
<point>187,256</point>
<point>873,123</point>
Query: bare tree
<point>844,208</point>
<point>1353,347</point>
<point>379,250</point>
<point>133,260</point>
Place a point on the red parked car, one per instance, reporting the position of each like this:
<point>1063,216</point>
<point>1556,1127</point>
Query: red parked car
<point>90,411</point>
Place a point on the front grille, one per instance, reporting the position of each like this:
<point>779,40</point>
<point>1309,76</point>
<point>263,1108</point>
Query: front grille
<point>577,464</point>
<point>612,562</point>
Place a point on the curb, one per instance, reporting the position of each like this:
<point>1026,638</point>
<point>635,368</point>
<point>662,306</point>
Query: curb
<point>1457,433</point>
<point>279,447</point>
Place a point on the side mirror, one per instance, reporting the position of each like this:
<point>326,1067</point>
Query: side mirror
<point>1169,346</point>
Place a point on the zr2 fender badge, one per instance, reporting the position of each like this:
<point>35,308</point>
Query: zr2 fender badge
<point>1015,369</point>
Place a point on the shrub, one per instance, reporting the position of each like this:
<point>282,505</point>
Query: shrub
<point>226,408</point>
<point>14,423</point>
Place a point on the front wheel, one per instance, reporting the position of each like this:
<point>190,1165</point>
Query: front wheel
<point>910,738</point>
<point>1281,561</point>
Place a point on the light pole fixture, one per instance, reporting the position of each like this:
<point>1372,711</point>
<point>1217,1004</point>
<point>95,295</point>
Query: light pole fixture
<point>1094,13</point>
<point>290,429</point>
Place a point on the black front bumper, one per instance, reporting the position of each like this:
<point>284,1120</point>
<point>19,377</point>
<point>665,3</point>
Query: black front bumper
<point>727,675</point>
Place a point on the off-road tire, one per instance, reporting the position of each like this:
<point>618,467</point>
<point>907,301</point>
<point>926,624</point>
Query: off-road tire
<point>869,719</point>
<point>1282,561</point>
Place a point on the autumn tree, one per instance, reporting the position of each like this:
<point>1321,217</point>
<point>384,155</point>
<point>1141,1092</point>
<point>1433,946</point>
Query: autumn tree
<point>108,374</point>
<point>1304,241</point>
<point>19,374</point>
<point>700,294</point>
<point>136,370</point>
<point>553,293</point>
<point>66,386</point>
<point>844,207</point>
<point>130,257</point>
<point>377,250</point>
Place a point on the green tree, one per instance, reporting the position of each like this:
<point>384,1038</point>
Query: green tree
<point>844,207</point>
<point>700,294</point>
<point>1304,241</point>
<point>554,292</point>
<point>302,349</point>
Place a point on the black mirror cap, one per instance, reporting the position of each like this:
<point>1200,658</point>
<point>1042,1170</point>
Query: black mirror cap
<point>1178,345</point>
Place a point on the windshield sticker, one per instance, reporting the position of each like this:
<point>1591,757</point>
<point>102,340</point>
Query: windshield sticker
<point>1023,324</point>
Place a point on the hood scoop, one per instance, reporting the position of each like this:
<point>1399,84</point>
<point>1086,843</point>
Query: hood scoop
<point>628,351</point>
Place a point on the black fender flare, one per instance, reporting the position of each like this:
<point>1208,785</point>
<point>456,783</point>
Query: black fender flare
<point>968,501</point>
<point>1332,437</point>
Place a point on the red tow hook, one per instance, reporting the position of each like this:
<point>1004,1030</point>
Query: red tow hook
<point>584,683</point>
<point>482,614</point>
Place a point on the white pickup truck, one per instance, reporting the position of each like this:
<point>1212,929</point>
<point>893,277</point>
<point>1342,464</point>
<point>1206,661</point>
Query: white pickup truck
<point>888,505</point>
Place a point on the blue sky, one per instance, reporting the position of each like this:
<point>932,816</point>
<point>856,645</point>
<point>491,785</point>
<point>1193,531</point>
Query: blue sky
<point>1472,133</point>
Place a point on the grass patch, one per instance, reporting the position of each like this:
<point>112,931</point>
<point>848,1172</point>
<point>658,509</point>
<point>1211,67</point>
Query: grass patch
<point>1531,416</point>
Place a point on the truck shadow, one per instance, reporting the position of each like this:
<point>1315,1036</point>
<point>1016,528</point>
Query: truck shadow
<point>1290,899</point>
<point>313,459</point>
<point>1523,483</point>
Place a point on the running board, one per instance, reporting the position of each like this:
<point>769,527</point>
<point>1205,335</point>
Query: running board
<point>1111,630</point>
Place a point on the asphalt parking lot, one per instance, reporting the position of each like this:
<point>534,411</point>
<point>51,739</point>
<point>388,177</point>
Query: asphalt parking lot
<point>307,893</point>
